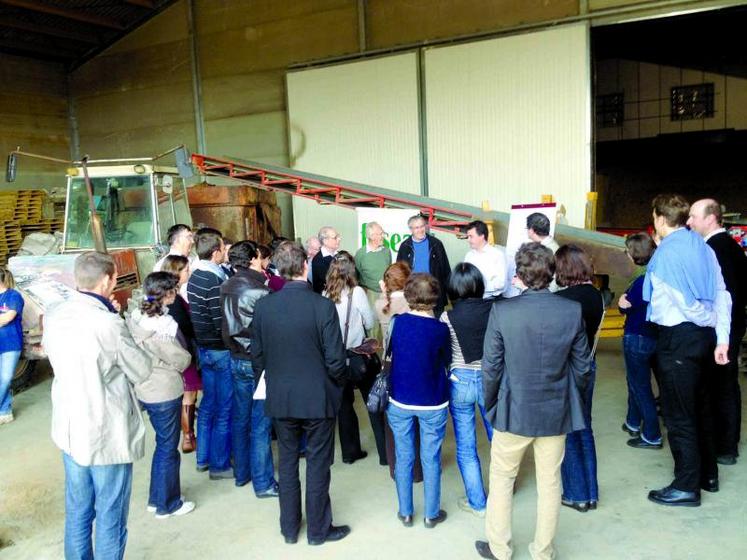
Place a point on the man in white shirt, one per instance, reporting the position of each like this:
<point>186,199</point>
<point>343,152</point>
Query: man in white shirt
<point>181,240</point>
<point>489,259</point>
<point>538,230</point>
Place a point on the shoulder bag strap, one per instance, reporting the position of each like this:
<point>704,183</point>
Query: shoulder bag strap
<point>599,331</point>
<point>347,319</point>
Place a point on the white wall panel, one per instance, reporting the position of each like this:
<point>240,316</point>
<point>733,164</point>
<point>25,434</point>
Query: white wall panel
<point>509,120</point>
<point>356,121</point>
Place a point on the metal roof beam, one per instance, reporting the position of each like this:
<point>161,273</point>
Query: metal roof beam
<point>14,23</point>
<point>142,3</point>
<point>76,15</point>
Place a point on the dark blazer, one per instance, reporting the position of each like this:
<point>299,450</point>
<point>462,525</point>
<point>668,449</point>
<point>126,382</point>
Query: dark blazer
<point>297,341</point>
<point>733,264</point>
<point>535,362</point>
<point>439,265</point>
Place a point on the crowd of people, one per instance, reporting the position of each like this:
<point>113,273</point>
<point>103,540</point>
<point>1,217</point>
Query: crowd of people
<point>266,334</point>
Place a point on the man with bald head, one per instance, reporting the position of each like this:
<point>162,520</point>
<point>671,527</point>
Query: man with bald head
<point>706,219</point>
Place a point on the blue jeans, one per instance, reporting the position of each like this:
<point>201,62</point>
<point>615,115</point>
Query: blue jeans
<point>8,362</point>
<point>165,488</point>
<point>214,416</point>
<point>639,351</point>
<point>100,492</point>
<point>250,431</point>
<point>432,430</point>
<point>466,392</point>
<point>579,468</point>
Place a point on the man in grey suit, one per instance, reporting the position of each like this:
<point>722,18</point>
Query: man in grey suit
<point>535,362</point>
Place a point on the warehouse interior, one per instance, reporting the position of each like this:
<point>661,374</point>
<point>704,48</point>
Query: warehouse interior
<point>467,102</point>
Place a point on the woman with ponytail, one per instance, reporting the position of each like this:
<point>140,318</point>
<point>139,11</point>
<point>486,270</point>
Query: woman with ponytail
<point>156,332</point>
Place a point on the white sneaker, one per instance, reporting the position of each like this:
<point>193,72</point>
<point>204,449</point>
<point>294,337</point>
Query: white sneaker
<point>6,418</point>
<point>153,509</point>
<point>186,508</point>
<point>465,506</point>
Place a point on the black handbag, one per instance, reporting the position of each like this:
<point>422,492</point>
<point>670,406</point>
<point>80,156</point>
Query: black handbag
<point>363,361</point>
<point>378,396</point>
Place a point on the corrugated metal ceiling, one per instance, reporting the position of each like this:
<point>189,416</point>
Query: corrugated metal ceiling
<point>70,31</point>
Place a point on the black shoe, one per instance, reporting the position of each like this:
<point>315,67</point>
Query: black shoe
<point>201,468</point>
<point>634,433</point>
<point>291,540</point>
<point>483,549</point>
<point>640,443</point>
<point>669,496</point>
<point>405,519</point>
<point>582,507</point>
<point>362,455</point>
<point>433,521</point>
<point>221,475</point>
<point>242,483</point>
<point>726,459</point>
<point>592,505</point>
<point>272,492</point>
<point>334,534</point>
<point>709,485</point>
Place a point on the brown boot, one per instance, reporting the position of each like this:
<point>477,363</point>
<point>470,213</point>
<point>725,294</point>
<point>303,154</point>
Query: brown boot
<point>189,441</point>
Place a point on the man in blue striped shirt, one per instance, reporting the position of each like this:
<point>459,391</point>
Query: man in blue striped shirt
<point>203,291</point>
<point>690,305</point>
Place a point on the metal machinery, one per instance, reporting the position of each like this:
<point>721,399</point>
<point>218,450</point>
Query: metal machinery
<point>608,251</point>
<point>120,206</point>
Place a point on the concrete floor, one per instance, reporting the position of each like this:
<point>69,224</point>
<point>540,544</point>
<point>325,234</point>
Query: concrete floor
<point>230,522</point>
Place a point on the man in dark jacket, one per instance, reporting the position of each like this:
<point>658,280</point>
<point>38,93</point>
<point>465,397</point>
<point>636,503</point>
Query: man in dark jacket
<point>250,428</point>
<point>532,382</point>
<point>304,364</point>
<point>203,293</point>
<point>726,403</point>
<point>425,253</point>
<point>330,245</point>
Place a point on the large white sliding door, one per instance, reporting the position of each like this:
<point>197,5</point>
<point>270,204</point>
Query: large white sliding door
<point>508,120</point>
<point>355,121</point>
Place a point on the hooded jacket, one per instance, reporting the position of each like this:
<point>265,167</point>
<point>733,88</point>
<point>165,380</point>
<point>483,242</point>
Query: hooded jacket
<point>157,336</point>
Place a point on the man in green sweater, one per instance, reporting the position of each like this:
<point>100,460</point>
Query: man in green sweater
<point>371,261</point>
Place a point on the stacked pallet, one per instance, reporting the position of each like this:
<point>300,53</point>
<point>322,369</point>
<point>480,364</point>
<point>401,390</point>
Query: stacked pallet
<point>21,213</point>
<point>10,240</point>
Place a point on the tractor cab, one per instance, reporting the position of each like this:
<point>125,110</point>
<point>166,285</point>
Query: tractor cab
<point>136,205</point>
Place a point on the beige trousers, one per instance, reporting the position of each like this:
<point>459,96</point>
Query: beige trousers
<point>506,453</point>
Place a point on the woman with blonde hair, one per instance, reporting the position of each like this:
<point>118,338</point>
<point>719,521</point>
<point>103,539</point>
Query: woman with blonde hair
<point>11,340</point>
<point>356,318</point>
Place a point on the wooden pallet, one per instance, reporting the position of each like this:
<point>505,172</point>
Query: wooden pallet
<point>21,213</point>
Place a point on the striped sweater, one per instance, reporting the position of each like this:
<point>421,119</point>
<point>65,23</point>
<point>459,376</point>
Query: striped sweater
<point>203,291</point>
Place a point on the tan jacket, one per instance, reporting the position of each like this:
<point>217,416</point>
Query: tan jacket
<point>95,415</point>
<point>169,360</point>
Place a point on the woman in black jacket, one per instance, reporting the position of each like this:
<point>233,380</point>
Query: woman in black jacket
<point>179,310</point>
<point>467,322</point>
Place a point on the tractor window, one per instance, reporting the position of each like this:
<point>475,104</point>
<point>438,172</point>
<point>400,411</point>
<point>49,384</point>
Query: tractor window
<point>124,205</point>
<point>172,204</point>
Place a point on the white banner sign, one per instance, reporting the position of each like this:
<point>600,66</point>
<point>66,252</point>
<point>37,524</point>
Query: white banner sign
<point>394,222</point>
